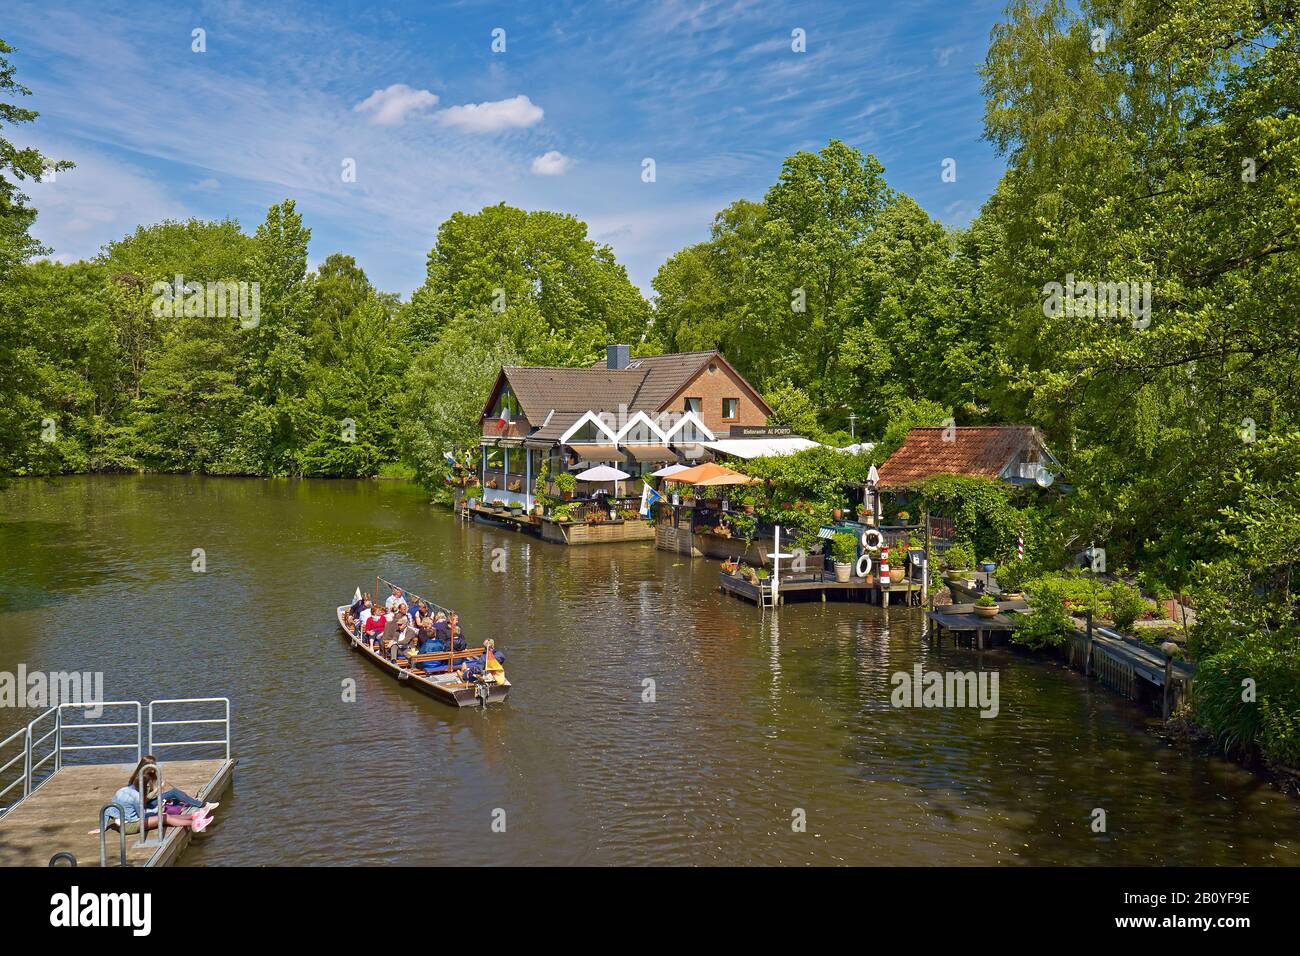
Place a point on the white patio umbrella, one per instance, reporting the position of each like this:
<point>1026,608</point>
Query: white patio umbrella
<point>669,470</point>
<point>603,473</point>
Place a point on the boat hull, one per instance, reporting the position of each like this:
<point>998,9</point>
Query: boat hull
<point>443,687</point>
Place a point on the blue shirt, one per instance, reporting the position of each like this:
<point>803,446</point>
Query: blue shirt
<point>129,797</point>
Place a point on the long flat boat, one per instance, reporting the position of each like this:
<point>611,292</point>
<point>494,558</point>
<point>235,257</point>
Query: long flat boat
<point>444,685</point>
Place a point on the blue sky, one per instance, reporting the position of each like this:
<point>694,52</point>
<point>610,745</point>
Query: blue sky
<point>437,122</point>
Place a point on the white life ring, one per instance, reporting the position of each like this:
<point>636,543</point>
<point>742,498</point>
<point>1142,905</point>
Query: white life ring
<point>872,539</point>
<point>863,567</point>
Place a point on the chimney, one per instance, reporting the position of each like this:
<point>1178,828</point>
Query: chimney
<point>618,356</point>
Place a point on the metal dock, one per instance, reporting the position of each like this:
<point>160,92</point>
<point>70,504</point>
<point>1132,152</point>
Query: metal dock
<point>54,796</point>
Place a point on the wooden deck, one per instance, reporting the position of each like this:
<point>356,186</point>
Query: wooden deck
<point>61,812</point>
<point>961,619</point>
<point>814,585</point>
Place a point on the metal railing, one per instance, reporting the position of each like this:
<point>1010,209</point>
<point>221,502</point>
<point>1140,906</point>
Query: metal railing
<point>224,720</point>
<point>53,724</point>
<point>63,747</point>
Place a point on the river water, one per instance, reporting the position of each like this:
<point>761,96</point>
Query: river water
<point>756,721</point>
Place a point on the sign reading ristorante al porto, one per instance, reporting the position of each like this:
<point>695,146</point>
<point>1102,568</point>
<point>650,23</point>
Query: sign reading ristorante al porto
<point>761,431</point>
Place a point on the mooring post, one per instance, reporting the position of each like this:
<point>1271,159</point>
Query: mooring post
<point>1169,679</point>
<point>1087,657</point>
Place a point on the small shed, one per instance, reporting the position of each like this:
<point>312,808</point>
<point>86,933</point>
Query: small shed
<point>1015,454</point>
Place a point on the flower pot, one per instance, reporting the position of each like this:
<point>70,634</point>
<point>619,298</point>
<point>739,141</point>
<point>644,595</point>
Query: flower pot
<point>986,611</point>
<point>896,575</point>
<point>749,509</point>
<point>838,513</point>
<point>1013,595</point>
<point>988,567</point>
<point>843,572</point>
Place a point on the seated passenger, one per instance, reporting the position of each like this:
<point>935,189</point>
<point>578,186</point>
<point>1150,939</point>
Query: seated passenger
<point>375,626</point>
<point>394,599</point>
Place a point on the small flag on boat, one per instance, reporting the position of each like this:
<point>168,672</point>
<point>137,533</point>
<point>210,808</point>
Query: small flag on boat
<point>648,497</point>
<point>356,596</point>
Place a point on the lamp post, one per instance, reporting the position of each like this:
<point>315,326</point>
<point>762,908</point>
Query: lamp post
<point>853,418</point>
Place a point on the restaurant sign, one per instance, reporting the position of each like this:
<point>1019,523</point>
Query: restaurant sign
<point>761,431</point>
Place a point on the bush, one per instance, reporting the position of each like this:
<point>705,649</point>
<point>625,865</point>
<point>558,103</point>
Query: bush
<point>1126,604</point>
<point>1052,599</point>
<point>1272,719</point>
<point>566,483</point>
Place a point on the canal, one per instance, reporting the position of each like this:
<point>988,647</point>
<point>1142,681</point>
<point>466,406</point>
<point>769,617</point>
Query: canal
<point>753,723</point>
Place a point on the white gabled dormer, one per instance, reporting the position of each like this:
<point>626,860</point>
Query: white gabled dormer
<point>700,433</point>
<point>593,419</point>
<point>652,429</point>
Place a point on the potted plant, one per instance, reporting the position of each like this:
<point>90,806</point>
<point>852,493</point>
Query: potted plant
<point>837,513</point>
<point>730,566</point>
<point>844,551</point>
<point>566,484</point>
<point>960,559</point>
<point>864,516</point>
<point>986,606</point>
<point>1011,579</point>
<point>761,576</point>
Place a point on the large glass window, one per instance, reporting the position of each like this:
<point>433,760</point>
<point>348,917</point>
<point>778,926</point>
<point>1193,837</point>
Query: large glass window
<point>493,457</point>
<point>506,402</point>
<point>695,405</point>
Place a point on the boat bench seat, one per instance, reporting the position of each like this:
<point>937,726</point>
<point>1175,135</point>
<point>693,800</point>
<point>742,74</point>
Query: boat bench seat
<point>444,655</point>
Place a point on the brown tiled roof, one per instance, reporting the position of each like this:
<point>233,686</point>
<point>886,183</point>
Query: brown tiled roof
<point>559,423</point>
<point>540,390</point>
<point>982,450</point>
<point>665,375</point>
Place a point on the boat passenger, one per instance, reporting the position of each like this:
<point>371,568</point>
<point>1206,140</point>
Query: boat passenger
<point>375,625</point>
<point>394,599</point>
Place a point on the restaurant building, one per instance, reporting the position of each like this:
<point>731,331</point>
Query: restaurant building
<point>635,414</point>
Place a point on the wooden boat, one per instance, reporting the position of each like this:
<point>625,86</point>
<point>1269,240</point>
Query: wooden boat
<point>445,686</point>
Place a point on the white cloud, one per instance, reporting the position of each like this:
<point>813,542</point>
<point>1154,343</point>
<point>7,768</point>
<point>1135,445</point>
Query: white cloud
<point>553,163</point>
<point>515,113</point>
<point>389,107</point>
<point>209,183</point>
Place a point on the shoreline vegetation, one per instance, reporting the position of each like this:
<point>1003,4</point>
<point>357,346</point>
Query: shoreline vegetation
<point>1167,157</point>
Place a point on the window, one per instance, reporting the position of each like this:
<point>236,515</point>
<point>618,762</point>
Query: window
<point>494,458</point>
<point>729,406</point>
<point>693,405</point>
<point>506,403</point>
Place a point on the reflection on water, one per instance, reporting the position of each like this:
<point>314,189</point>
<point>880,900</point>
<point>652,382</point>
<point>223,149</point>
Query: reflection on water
<point>753,718</point>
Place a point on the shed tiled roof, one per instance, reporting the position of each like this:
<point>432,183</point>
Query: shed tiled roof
<point>982,450</point>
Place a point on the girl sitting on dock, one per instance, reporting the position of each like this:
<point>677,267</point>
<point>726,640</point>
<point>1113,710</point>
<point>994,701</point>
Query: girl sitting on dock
<point>181,809</point>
